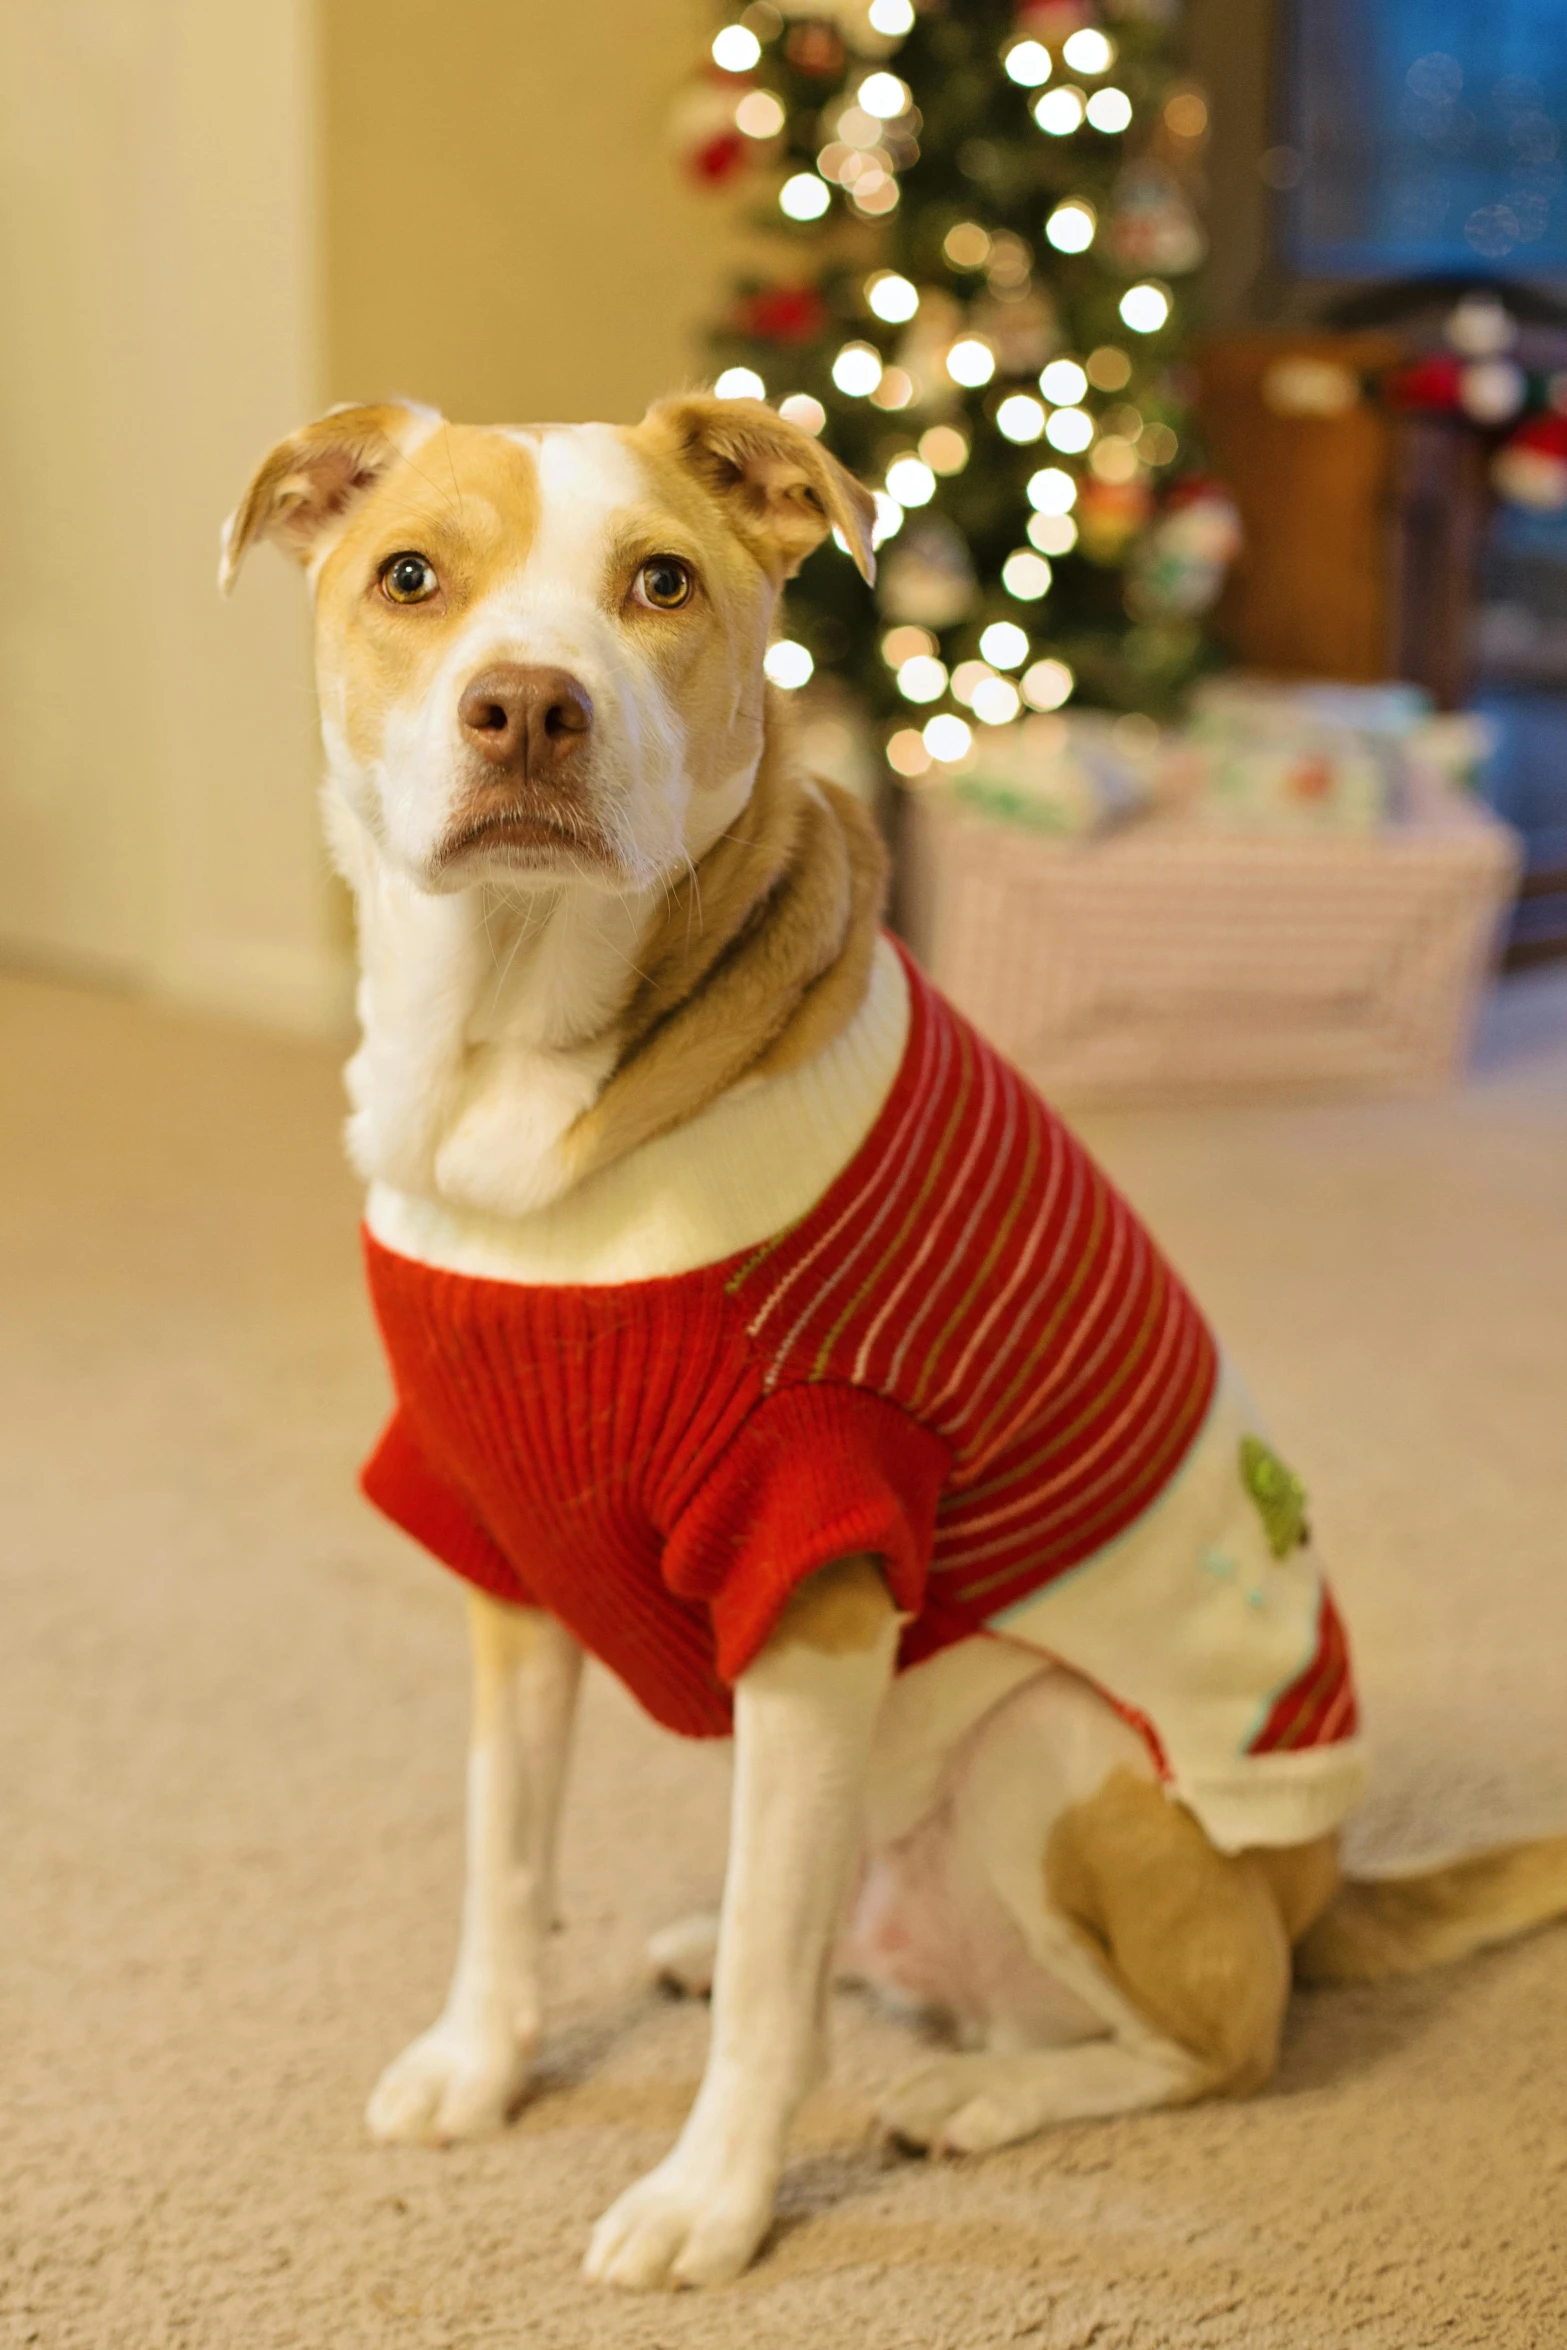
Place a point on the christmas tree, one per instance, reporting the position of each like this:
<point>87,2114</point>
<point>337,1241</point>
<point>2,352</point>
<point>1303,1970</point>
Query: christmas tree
<point>980,217</point>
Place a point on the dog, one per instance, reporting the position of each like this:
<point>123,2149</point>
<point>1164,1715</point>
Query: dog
<point>755,1329</point>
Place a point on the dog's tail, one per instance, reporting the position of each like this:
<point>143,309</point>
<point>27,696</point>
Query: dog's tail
<point>1376,1927</point>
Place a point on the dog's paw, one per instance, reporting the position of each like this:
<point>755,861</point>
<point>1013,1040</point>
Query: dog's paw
<point>681,2226</point>
<point>683,1956</point>
<point>457,2080</point>
<point>963,2105</point>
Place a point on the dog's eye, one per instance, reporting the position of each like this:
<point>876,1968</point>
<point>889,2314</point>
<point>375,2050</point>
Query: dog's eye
<point>665,583</point>
<point>408,579</point>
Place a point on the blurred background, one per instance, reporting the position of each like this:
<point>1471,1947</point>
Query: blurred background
<point>1331,445</point>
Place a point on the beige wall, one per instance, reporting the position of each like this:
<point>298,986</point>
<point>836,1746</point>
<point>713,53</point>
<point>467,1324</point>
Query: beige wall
<point>156,283</point>
<point>506,235</point>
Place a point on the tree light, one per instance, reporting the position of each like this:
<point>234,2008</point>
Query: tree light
<point>895,390</point>
<point>1109,110</point>
<point>1047,685</point>
<point>910,482</point>
<point>1063,383</point>
<point>944,448</point>
<point>1052,491</point>
<point>1020,418</point>
<point>1088,51</point>
<point>947,737</point>
<point>1052,534</point>
<point>906,643</point>
<point>1070,430</point>
<point>1145,308</point>
<point>1060,112</point>
<point>967,246</point>
<point>892,297</point>
<point>883,95</point>
<point>971,362</point>
<point>736,49</point>
<point>967,679</point>
<point>1028,63</point>
<point>804,197</point>
<point>740,383</point>
<point>1109,370</point>
<point>996,702</point>
<point>1115,459</point>
<point>1005,644</point>
<point>1071,226</point>
<point>788,664</point>
<point>906,752</point>
<point>857,370</point>
<point>759,115</point>
<point>802,410</point>
<point>924,679</point>
<point>889,519</point>
<point>891,17</point>
<point>1026,576</point>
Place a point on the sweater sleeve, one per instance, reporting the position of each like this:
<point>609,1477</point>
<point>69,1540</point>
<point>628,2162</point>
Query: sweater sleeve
<point>816,1473</point>
<point>399,1480</point>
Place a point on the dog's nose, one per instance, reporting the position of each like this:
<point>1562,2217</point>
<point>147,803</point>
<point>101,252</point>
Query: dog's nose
<point>524,717</point>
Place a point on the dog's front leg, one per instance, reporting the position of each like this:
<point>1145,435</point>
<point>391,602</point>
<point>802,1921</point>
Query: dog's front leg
<point>464,2074</point>
<point>805,1713</point>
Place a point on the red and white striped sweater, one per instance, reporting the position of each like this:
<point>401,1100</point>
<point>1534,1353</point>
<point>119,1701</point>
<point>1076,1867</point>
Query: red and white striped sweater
<point>967,1357</point>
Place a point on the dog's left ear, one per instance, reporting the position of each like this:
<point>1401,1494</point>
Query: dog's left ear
<point>781,490</point>
<point>308,482</point>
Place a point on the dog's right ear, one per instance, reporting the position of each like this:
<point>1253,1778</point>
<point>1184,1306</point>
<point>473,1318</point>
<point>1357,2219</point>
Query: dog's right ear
<point>310,480</point>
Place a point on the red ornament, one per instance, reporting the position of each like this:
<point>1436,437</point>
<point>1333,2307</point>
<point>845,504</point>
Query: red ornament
<point>717,159</point>
<point>815,49</point>
<point>783,314</point>
<point>1530,469</point>
<point>1429,384</point>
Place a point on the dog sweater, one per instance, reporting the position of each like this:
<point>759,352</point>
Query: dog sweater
<point>966,1357</point>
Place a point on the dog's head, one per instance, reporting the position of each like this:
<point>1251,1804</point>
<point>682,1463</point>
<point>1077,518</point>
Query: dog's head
<point>540,650</point>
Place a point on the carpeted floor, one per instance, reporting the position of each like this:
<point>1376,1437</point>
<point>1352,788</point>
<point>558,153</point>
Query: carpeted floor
<point>231,1715</point>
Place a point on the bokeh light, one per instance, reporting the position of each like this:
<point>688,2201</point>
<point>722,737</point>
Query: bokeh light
<point>736,49</point>
<point>804,196</point>
<point>1071,227</point>
<point>967,246</point>
<point>906,643</point>
<point>1052,534</point>
<point>944,448</point>
<point>1114,459</point>
<point>895,390</point>
<point>1109,110</point>
<point>967,679</point>
<point>889,518</point>
<point>802,410</point>
<point>1026,576</point>
<point>910,482</point>
<point>1020,418</point>
<point>883,95</point>
<point>1005,644</point>
<point>892,297</point>
<point>997,702</point>
<point>906,752</point>
<point>740,383</point>
<point>1063,383</point>
<point>1109,369</point>
<point>857,370</point>
<point>1047,685</point>
<point>1028,64</point>
<point>971,362</point>
<point>1145,308</point>
<point>1060,112</point>
<point>759,115</point>
<point>948,737</point>
<point>1070,430</point>
<point>893,18</point>
<point>924,679</point>
<point>788,664</point>
<point>1088,51</point>
<point>1052,490</point>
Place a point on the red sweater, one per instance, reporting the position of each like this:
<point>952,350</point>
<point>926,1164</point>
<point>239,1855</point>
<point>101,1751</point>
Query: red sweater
<point>967,1358</point>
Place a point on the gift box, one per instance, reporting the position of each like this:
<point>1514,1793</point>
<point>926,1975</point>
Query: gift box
<point>1167,959</point>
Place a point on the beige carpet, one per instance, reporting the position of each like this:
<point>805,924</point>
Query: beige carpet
<point>231,1709</point>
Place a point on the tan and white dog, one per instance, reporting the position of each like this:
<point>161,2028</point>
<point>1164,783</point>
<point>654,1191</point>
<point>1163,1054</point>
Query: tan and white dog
<point>601,910</point>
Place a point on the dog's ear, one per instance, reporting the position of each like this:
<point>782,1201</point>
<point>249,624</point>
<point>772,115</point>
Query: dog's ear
<point>310,480</point>
<point>781,490</point>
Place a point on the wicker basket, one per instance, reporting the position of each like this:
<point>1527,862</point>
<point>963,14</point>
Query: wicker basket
<point>1165,962</point>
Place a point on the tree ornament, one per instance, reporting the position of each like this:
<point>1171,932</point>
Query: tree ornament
<point>1530,469</point>
<point>1152,226</point>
